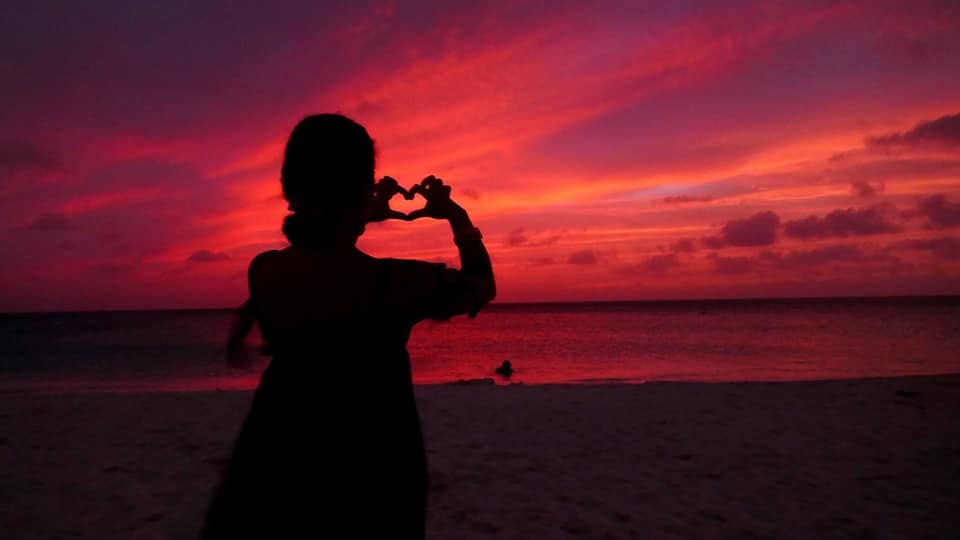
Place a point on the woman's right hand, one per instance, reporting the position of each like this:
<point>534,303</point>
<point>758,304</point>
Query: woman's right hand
<point>383,191</point>
<point>237,356</point>
<point>439,204</point>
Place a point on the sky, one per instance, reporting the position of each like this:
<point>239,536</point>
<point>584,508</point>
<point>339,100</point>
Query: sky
<point>610,150</point>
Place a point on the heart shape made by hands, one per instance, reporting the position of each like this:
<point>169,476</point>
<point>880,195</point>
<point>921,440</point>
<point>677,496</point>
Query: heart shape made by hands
<point>385,191</point>
<point>408,203</point>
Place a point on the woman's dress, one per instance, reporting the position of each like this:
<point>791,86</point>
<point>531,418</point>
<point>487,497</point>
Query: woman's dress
<point>332,445</point>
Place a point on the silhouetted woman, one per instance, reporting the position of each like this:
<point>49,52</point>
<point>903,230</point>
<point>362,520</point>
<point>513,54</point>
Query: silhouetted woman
<point>332,444</point>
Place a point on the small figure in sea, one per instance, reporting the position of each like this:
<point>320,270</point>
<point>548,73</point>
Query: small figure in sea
<point>505,369</point>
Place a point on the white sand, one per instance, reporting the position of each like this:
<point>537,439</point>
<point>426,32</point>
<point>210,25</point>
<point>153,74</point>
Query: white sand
<point>797,460</point>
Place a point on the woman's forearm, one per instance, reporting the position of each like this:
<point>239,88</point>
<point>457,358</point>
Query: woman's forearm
<point>242,325</point>
<point>474,259</point>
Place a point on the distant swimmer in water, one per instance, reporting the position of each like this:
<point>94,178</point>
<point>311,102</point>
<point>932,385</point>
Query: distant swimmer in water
<point>505,369</point>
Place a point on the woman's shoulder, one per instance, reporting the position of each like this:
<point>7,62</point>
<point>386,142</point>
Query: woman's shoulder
<point>265,257</point>
<point>263,262</point>
<point>411,267</point>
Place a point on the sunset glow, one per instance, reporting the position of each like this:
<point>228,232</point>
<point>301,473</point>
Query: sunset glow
<point>608,151</point>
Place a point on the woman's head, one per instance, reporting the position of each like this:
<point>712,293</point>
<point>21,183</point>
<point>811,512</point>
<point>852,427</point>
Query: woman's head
<point>327,177</point>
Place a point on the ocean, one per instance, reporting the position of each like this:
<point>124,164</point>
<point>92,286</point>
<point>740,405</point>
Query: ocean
<point>629,342</point>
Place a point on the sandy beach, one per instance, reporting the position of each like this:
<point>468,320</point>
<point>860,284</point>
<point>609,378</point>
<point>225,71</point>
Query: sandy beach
<point>835,459</point>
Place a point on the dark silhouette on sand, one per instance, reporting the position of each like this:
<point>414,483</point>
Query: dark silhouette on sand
<point>505,369</point>
<point>332,444</point>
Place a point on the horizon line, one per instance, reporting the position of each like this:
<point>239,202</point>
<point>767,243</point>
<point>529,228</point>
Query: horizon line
<point>559,303</point>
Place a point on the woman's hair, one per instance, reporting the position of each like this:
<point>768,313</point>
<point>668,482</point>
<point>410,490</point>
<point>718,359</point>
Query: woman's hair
<point>327,177</point>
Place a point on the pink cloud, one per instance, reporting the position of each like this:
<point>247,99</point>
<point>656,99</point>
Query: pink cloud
<point>568,133</point>
<point>681,199</point>
<point>207,256</point>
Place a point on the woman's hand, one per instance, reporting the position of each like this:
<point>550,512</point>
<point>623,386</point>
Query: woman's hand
<point>439,204</point>
<point>237,357</point>
<point>236,351</point>
<point>383,191</point>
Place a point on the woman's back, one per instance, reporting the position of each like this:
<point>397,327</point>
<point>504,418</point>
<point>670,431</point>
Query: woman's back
<point>335,318</point>
<point>335,409</point>
<point>303,294</point>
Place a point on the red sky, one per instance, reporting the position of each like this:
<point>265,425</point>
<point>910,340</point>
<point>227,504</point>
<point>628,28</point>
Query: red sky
<point>607,150</point>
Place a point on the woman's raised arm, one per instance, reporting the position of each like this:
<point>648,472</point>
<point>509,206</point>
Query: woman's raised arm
<point>475,263</point>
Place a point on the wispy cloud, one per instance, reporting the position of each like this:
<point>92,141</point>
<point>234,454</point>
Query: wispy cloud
<point>944,132</point>
<point>688,140</point>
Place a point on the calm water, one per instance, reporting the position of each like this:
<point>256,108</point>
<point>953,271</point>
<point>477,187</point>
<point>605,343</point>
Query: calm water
<point>583,343</point>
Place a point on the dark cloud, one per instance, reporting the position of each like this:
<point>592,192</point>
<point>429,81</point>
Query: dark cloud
<point>517,237</point>
<point>582,257</point>
<point>171,210</point>
<point>799,259</point>
<point>914,48</point>
<point>522,237</point>
<point>206,256</point>
<point>19,155</point>
<point>732,265</point>
<point>166,64</point>
<point>686,245</point>
<point>940,212</point>
<point>817,256</point>
<point>888,170</point>
<point>543,261</point>
<point>549,240</point>
<point>862,188</point>
<point>171,63</point>
<point>759,229</point>
<point>681,199</point>
<point>843,223</point>
<point>112,269</point>
<point>658,264</point>
<point>52,222</point>
<point>944,132</point>
<point>946,247</point>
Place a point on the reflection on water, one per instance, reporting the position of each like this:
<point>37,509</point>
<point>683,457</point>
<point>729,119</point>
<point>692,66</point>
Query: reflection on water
<point>574,343</point>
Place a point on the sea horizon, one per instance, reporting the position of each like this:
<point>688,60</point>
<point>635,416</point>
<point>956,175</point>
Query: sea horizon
<point>714,340</point>
<point>502,306</point>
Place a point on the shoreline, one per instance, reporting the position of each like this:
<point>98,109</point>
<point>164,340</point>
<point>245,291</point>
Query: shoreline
<point>491,382</point>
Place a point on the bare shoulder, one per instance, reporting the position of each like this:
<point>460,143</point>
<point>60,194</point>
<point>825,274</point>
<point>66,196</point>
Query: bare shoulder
<point>263,261</point>
<point>413,269</point>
